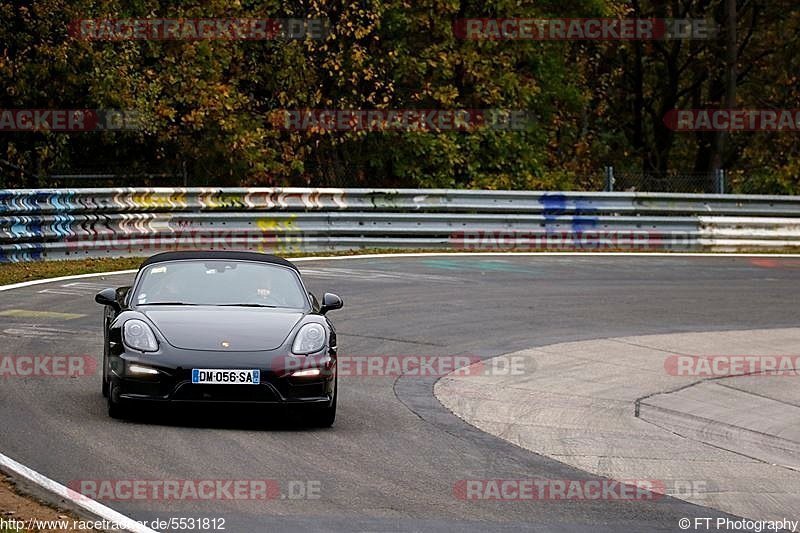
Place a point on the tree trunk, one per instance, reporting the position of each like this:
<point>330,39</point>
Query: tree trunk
<point>729,101</point>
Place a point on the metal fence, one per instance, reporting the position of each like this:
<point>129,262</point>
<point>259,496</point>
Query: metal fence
<point>77,223</point>
<point>673,181</point>
<point>610,179</point>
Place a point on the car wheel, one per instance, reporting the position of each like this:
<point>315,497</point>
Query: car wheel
<point>325,416</point>
<point>105,377</point>
<point>117,408</point>
<point>106,350</point>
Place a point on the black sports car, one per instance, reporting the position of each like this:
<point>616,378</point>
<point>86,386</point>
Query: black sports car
<point>227,327</point>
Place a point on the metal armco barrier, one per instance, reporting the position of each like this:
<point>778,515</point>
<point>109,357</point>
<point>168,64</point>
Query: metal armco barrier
<point>78,223</point>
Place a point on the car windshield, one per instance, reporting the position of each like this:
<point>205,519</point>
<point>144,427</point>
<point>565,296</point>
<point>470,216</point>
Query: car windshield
<point>231,283</point>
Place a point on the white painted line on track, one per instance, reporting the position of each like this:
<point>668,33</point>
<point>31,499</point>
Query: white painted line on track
<point>94,508</point>
<point>61,278</point>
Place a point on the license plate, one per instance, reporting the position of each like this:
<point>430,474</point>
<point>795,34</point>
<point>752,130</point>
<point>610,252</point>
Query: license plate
<point>212,376</point>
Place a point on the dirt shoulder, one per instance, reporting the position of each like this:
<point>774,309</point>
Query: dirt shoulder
<point>22,513</point>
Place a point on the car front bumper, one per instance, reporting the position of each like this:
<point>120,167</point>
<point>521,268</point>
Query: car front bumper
<point>174,385</point>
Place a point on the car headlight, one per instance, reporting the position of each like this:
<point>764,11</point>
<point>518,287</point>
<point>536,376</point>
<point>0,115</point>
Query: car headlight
<point>139,336</point>
<point>310,339</point>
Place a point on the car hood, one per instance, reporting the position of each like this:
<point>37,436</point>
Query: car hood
<point>245,329</point>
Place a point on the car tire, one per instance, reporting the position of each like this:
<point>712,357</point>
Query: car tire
<point>105,362</point>
<point>105,377</point>
<point>324,417</point>
<point>117,409</point>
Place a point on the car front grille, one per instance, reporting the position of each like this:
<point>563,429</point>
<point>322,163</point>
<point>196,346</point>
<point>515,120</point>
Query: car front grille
<point>189,392</point>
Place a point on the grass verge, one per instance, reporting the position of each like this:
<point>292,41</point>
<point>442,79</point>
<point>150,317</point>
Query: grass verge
<point>19,272</point>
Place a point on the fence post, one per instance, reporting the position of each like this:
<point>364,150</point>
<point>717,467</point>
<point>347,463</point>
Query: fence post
<point>610,179</point>
<point>719,174</point>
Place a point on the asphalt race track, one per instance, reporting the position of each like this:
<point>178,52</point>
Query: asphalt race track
<point>392,459</point>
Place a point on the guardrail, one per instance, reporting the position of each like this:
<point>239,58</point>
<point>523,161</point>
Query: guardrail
<point>76,223</point>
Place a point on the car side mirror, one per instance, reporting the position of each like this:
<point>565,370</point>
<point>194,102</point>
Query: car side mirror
<point>330,302</point>
<point>108,297</point>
